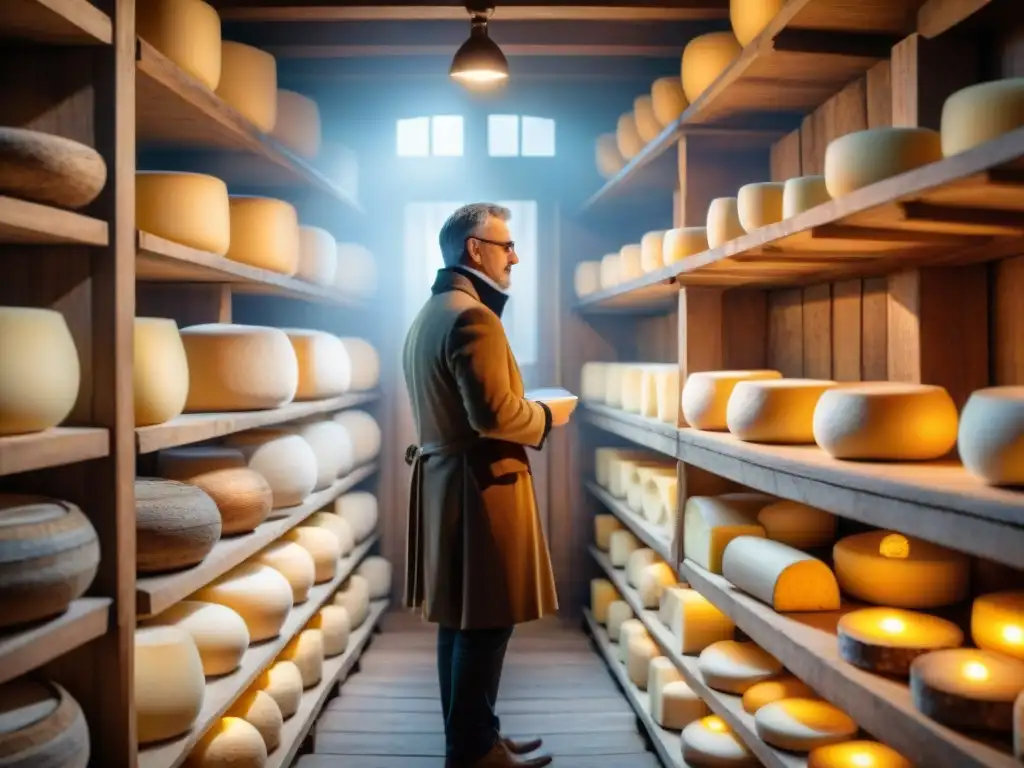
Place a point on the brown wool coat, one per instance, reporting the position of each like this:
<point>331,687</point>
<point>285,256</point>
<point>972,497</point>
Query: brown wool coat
<point>476,552</point>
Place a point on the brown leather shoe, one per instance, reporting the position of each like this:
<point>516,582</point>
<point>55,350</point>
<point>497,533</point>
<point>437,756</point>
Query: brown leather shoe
<point>522,747</point>
<point>501,757</point>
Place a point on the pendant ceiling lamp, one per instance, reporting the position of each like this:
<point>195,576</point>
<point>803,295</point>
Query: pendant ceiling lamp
<point>479,60</point>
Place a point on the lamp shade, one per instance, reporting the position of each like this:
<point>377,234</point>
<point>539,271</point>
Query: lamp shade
<point>479,60</point>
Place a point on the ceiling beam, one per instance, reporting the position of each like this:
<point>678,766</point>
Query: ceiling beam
<point>525,49</point>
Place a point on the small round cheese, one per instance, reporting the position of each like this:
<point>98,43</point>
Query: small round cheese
<point>604,526</point>
<point>248,83</point>
<point>283,683</point>
<point>641,652</point>
<point>230,742</point>
<point>997,622</point>
<point>602,595</point>
<point>586,278</point>
<point>324,366</point>
<point>264,234</point>
<point>710,742</point>
<point>159,371</point>
<point>306,651</point>
<point>967,689</point>
<point>884,421</point>
<point>775,410</point>
<point>41,726</point>
<point>610,272</point>
<point>219,633</point>
<point>257,593</point>
<point>750,17</point>
<point>335,628</point>
<point>855,754</point>
<point>621,544</point>
<point>176,525</point>
<point>364,431</point>
<point>169,683</point>
<point>619,612</point>
<point>866,157</point>
<point>704,59</point>
<point>651,257</point>
<point>638,560</point>
<point>682,242</point>
<point>668,100</point>
<point>652,583</point>
<point>187,208</point>
<point>377,572</point>
<point>630,264</point>
<point>759,205</point>
<point>723,221</point>
<point>631,628</point>
<point>286,461</point>
<point>364,362</point>
<point>627,136</point>
<point>647,124</point>
<point>298,124</point>
<point>337,525</point>
<point>768,691</point>
<point>706,394</point>
<point>332,446</point>
<point>318,258</point>
<point>990,439</point>
<point>357,270</point>
<point>607,157</point>
<point>260,711</point>
<point>185,31</point>
<point>887,640</point>
<point>322,545</point>
<point>294,562</point>
<point>803,193</point>
<point>733,667</point>
<point>798,525</point>
<point>354,597</point>
<point>980,113</point>
<point>800,725</point>
<point>659,498</point>
<point>359,510</point>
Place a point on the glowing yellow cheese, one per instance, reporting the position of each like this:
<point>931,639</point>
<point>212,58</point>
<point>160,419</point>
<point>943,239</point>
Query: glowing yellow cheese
<point>621,544</point>
<point>354,596</point>
<point>775,410</point>
<point>647,125</point>
<point>293,562</point>
<point>364,362</point>
<point>159,371</point>
<point>659,498</point>
<point>723,222</point>
<point>668,100</point>
<point>238,367</point>
<point>220,634</point>
<point>711,522</point>
<point>627,136</point>
<point>185,31</point>
<point>587,278</point>
<point>318,259</point>
<point>231,741</point>
<point>803,193</point>
<point>377,572</point>
<point>364,431</point>
<point>968,689</point>
<point>260,711</point>
<point>592,385</point>
<point>693,619</point>
<point>306,651</point>
<point>335,627</point>
<point>854,754</point>
<point>798,525</point>
<point>997,622</point>
<point>607,157</point>
<point>619,612</point>
<point>187,208</point>
<point>602,594</point>
<point>785,687</point>
<point>359,509</point>
<point>705,398</point>
<point>324,366</point>
<point>285,460</point>
<point>639,559</point>
<point>283,683</point>
<point>651,251</point>
<point>779,575</point>
<point>630,263</point>
<point>759,205</point>
<point>709,741</point>
<point>682,242</point>
<point>800,725</point>
<point>610,275</point>
<point>332,446</point>
<point>886,421</point>
<point>248,83</point>
<point>629,629</point>
<point>357,270</point>
<point>704,59</point>
<point>652,581</point>
<point>169,683</point>
<point>641,652</point>
<point>750,17</point>
<point>733,667</point>
<point>322,545</point>
<point>264,234</point>
<point>40,375</point>
<point>604,526</point>
<point>990,439</point>
<point>659,392</point>
<point>980,113</point>
<point>866,157</point>
<point>298,124</point>
<point>257,593</point>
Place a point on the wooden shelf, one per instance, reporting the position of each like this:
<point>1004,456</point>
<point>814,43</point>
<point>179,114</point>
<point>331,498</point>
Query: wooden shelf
<point>649,433</point>
<point>658,294</point>
<point>806,644</point>
<point>173,109</point>
<point>667,744</point>
<point>654,536</point>
<point>52,448</point>
<point>23,650</point>
<point>726,706</point>
<point>25,223</point>
<point>155,594</point>
<point>336,669</point>
<point>222,691</point>
<point>61,22</point>
<point>196,427</point>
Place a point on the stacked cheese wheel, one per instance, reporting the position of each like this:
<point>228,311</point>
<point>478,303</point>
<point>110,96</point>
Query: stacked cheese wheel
<point>650,390</point>
<point>43,725</point>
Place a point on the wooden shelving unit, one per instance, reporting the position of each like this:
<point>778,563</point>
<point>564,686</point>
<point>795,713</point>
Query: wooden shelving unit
<point>60,445</point>
<point>28,223</point>
<point>654,536</point>
<point>658,436</point>
<point>58,22</point>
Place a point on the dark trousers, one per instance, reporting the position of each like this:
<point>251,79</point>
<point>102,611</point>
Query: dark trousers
<point>469,663</point>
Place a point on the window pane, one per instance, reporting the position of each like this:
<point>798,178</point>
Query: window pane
<point>414,137</point>
<point>538,137</point>
<point>503,135</point>
<point>446,136</point>
<point>521,316</point>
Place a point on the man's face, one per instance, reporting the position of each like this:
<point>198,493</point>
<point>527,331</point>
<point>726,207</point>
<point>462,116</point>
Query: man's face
<point>492,251</point>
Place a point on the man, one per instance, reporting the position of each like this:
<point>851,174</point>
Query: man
<point>478,563</point>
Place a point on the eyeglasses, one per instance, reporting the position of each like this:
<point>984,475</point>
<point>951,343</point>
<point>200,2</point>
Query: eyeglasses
<point>509,245</point>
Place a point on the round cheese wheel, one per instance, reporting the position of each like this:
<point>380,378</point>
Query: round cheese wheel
<point>967,689</point>
<point>306,651</point>
<point>285,460</point>
<point>733,666</point>
<point>256,592</point>
<point>647,125</point>
<point>980,113</point>
<point>723,221</point>
<point>651,257</point>
<point>49,554</point>
<point>621,544</point>
<point>260,711</point>
<point>187,208</point>
<point>852,754</point>
<point>359,510</point>
<point>803,193</point>
<point>619,612</point>
<point>159,371</point>
<point>759,205</point>
<point>706,57</point>
<point>49,169</point>
<point>785,687</point>
<point>330,441</point>
<point>318,258</point>
<point>627,136</point>
<point>337,525</point>
<point>377,572</point>
<point>176,525</point>
<point>887,640</point>
<point>800,725</point>
<point>630,629</point>
<point>865,157</point>
<point>638,560</point>
<point>322,545</point>
<point>41,725</point>
<point>357,270</point>
<point>750,17</point>
<point>364,432</point>
<point>334,626</point>
<point>238,367</point>
<point>630,262</point>
<point>592,376</point>
<point>364,363</point>
<point>997,622</point>
<point>886,421</point>
<point>610,271</point>
<point>607,157</point>
<point>264,234</point>
<point>682,242</point>
<point>990,438</point>
<point>40,376</point>
<point>668,100</point>
<point>283,683</point>
<point>705,398</point>
<point>324,366</point>
<point>219,633</point>
<point>185,31</point>
<point>586,278</point>
<point>298,124</point>
<point>169,683</point>
<point>604,526</point>
<point>652,583</point>
<point>798,525</point>
<point>354,597</point>
<point>775,410</point>
<point>710,742</point>
<point>248,83</point>
<point>292,561</point>
<point>641,652</point>
<point>230,742</point>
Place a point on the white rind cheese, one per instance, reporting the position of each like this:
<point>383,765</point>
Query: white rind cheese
<point>652,582</point>
<point>641,652</point>
<point>759,205</point>
<point>332,446</point>
<point>619,612</point>
<point>377,572</point>
<point>710,742</point>
<point>711,522</point>
<point>364,431</point>
<point>354,596</point>
<point>783,577</point>
<point>306,651</point>
<point>723,222</point>
<point>325,369</point>
<point>298,124</point>
<point>651,257</point>
<point>862,158</point>
<point>980,113</point>
<point>586,278</point>
<point>693,620</point>
<point>364,362</point>
<point>169,683</point>
<point>775,410</point>
<point>286,461</point>
<point>220,634</point>
<point>705,397</point>
<point>802,193</point>
<point>257,593</point>
<point>990,438</point>
<point>283,683</point>
<point>682,242</point>
<point>159,371</point>
<point>293,562</point>
<point>800,725</point>
<point>621,544</point>
<point>322,545</point>
<point>359,509</point>
<point>318,259</point>
<point>335,627</point>
<point>231,741</point>
<point>733,667</point>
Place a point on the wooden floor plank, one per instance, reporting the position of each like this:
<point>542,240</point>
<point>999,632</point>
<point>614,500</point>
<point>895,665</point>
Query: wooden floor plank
<point>349,702</point>
<point>634,760</point>
<point>432,744</point>
<point>404,722</point>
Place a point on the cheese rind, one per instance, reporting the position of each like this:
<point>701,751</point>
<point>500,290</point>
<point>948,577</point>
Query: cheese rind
<point>364,431</point>
<point>980,113</point>
<point>293,562</point>
<point>335,628</point>
<point>324,366</point>
<point>332,446</point>
<point>264,234</point>
<point>586,278</point>
<point>619,612</point>
<point>364,361</point>
<point>704,59</point>
<point>775,410</point>
<point>248,83</point>
<point>652,583</point>
<point>674,705</point>
<point>997,622</point>
<point>749,17</point>
<point>630,629</point>
<point>602,595</point>
<point>322,545</point>
<point>159,371</point>
<point>723,222</point>
<point>604,459</point>
<point>187,208</point>
<point>705,396</point>
<point>318,260</point>
<point>359,509</point>
<point>967,689</point>
<point>798,525</point>
<point>651,257</point>
<point>990,438</point>
<point>848,754</point>
<point>682,242</point>
<point>783,577</point>
<point>802,193</point>
<point>286,461</point>
<point>800,725</point>
<point>733,667</point>
<point>641,652</point>
<point>609,271</point>
<point>604,526</point>
<point>220,634</point>
<point>887,640</point>
<point>257,593</point>
<point>862,158</point>
<point>711,522</point>
<point>377,572</point>
<point>592,377</point>
<point>647,125</point>
<point>710,742</point>
<point>169,683</point>
<point>621,544</point>
<point>283,683</point>
<point>693,619</point>
<point>768,691</point>
<point>357,270</point>
<point>630,262</point>
<point>306,651</point>
<point>607,157</point>
<point>260,711</point>
<point>639,559</point>
<point>176,525</point>
<point>354,596</point>
<point>340,527</point>
<point>659,396</point>
<point>185,31</point>
<point>759,205</point>
<point>627,136</point>
<point>660,497</point>
<point>231,741</point>
<point>668,99</point>
<point>297,126</point>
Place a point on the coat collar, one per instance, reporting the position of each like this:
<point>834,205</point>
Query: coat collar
<point>467,281</point>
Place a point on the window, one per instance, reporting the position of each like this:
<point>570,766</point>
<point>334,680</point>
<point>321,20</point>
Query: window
<point>503,135</point>
<point>538,137</point>
<point>515,136</point>
<point>440,136</point>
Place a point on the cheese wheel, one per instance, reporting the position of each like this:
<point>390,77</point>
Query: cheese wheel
<point>693,620</point>
<point>641,652</point>
<point>619,612</point>
<point>850,754</point>
<point>635,492</point>
<point>41,167</point>
<point>785,687</point>
<point>651,251</point>
<point>364,432</point>
<point>359,509</point>
<point>230,742</point>
<point>980,113</point>
<point>668,100</point>
<point>647,125</point>
<point>706,57</point>
<point>185,31</point>
<point>377,572</point>
<point>40,376</point>
<point>682,242</point>
<point>967,689</point>
<point>238,367</point>
<point>652,583</point>
<point>219,633</point>
<point>169,683</point>
<point>332,446</point>
<point>990,438</point>
<point>322,545</point>
<point>603,458</point>
<point>357,270</point>
<point>630,629</point>
<point>887,640</point>
<point>354,596</point>
<point>364,363</point>
<point>176,525</point>
<point>256,592</point>
<point>604,526</point>
<point>997,622</point>
<point>592,386</point>
<point>658,383</point>
<point>711,522</point>
<point>610,273</point>
<point>723,222</point>
<point>705,398</point>
<point>660,498</point>
<point>607,157</point>
<point>586,278</point>
<point>340,527</point>
<point>298,124</point>
<point>248,83</point>
<point>260,711</point>
<point>783,577</point>
<point>759,205</point>
<point>886,421</point>
<point>660,672</point>
<point>335,628</point>
<point>802,193</point>
<point>318,259</point>
<point>674,705</point>
<point>264,234</point>
<point>324,366</point>
<point>733,667</point>
<point>800,725</point>
<point>306,651</point>
<point>632,389</point>
<point>187,208</point>
<point>900,571</point>
<point>286,460</point>
<point>775,410</point>
<point>710,742</point>
<point>49,554</point>
<point>866,157</point>
<point>798,525</point>
<point>623,470</point>
<point>638,560</point>
<point>621,544</point>
<point>42,726</point>
<point>159,371</point>
<point>283,683</point>
<point>294,562</point>
<point>750,17</point>
<point>602,594</point>
<point>627,136</point>
<point>630,263</point>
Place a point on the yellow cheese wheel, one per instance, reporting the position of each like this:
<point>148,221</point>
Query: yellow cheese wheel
<point>798,525</point>
<point>886,421</point>
<point>285,460</point>
<point>610,274</point>
<point>185,31</point>
<point>638,560</point>
<point>248,83</point>
<point>219,633</point>
<point>354,597</point>
<point>693,620</point>
<point>160,371</point>
<point>659,398</point>
<point>711,522</point>
<point>639,655</point>
<point>733,667</point>
<point>318,258</point>
<point>238,367</point>
<point>990,438</point>
<point>750,17</point>
<point>604,526</point>
<point>40,375</point>
<point>783,577</point>
<point>586,278</point>
<point>292,561</point>
<point>377,572</point>
<point>324,367</point>
<point>705,398</point>
<point>335,628</point>
<point>659,498</point>
<point>41,725</point>
<point>668,100</point>
<point>785,687</point>
<point>709,741</point>
<point>997,622</point>
<point>622,544</point>
<point>337,525</point>
<point>706,57</point>
<point>759,205</point>
<point>169,683</point>
<point>298,124</point>
<point>630,629</point>
<point>357,270</point>
<point>647,125</point>
<point>283,683</point>
<point>851,754</point>
<point>260,711</point>
<point>364,431</point>
<point>322,545</point>
<point>602,594</point>
<point>627,136</point>
<point>651,257</point>
<point>980,113</point>
<point>619,612</point>
<point>968,689</point>
<point>630,263</point>
<point>264,234</point>
<point>865,157</point>
<point>723,222</point>
<point>682,242</point>
<point>775,410</point>
<point>607,157</point>
<point>803,193</point>
<point>364,362</point>
<point>359,510</point>
<point>800,725</point>
<point>176,525</point>
<point>187,208</point>
<point>257,593</point>
<point>652,582</point>
<point>230,742</point>
<point>306,651</point>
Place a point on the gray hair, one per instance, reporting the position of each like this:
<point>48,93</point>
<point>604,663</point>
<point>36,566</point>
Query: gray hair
<point>462,224</point>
